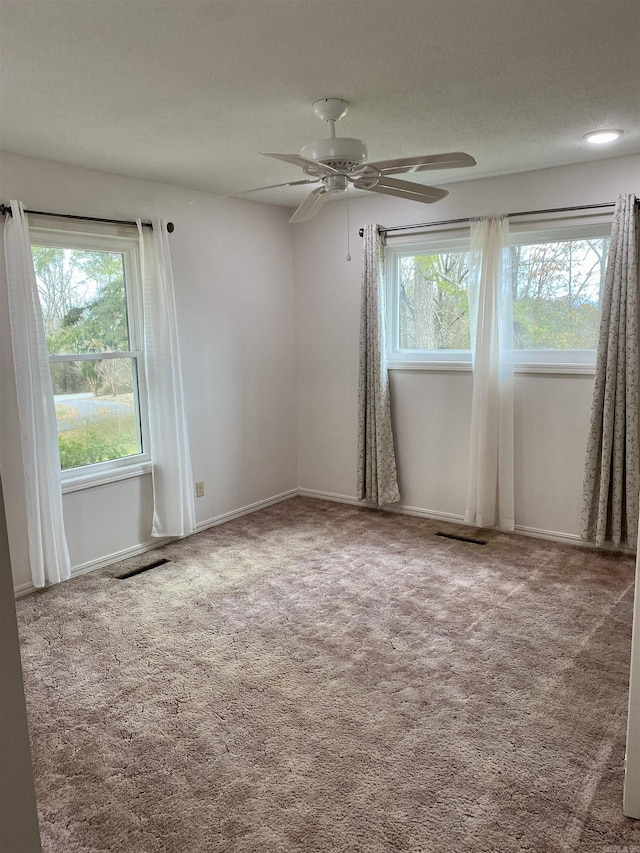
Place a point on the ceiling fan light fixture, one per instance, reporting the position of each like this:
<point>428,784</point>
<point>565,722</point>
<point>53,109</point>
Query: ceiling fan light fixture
<point>602,137</point>
<point>335,183</point>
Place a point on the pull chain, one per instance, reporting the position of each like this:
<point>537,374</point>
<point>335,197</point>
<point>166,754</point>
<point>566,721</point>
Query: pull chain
<point>348,227</point>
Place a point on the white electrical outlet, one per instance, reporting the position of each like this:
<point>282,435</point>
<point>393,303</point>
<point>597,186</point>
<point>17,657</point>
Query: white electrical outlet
<point>200,489</point>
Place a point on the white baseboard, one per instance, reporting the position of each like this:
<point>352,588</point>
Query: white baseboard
<point>403,509</point>
<point>116,557</point>
<point>23,589</point>
<point>571,539</point>
<point>554,535</point>
<point>425,513</point>
<point>330,496</point>
<point>246,510</point>
<point>94,565</point>
<point>156,543</point>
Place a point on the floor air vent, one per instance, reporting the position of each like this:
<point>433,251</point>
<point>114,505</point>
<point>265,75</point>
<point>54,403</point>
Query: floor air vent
<point>139,571</point>
<point>462,538</point>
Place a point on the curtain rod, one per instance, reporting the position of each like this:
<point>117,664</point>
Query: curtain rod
<point>4,209</point>
<point>509,215</point>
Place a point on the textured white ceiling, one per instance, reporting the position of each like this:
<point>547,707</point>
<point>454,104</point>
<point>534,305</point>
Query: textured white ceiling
<point>191,91</point>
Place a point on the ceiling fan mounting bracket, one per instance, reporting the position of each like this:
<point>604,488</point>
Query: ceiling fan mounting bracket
<point>330,109</point>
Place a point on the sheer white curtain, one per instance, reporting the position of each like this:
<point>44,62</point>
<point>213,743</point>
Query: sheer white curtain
<point>612,468</point>
<point>490,500</point>
<point>48,553</point>
<point>377,477</point>
<point>173,488</point>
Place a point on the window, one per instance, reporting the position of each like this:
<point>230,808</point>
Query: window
<point>557,275</point>
<point>556,286</point>
<point>430,302</point>
<point>89,295</point>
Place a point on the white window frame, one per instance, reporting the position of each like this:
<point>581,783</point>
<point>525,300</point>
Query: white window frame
<point>419,359</point>
<point>526,232</point>
<point>107,239</point>
<point>556,361</point>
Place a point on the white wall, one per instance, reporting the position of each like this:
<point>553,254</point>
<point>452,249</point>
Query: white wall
<point>233,269</point>
<point>431,410</point>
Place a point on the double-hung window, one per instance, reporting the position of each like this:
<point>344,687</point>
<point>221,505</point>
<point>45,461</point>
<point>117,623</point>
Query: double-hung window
<point>557,274</point>
<point>89,288</point>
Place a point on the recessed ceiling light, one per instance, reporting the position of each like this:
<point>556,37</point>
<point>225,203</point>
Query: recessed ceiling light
<point>601,137</point>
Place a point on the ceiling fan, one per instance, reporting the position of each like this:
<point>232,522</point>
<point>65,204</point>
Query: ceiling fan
<point>336,162</point>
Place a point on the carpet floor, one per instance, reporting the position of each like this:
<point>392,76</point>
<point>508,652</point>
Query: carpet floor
<point>322,678</point>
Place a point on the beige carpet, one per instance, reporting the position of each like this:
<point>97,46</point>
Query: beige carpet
<point>321,678</point>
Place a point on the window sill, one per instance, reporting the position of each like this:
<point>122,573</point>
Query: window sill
<point>89,481</point>
<point>522,367</point>
<point>556,367</point>
<point>429,365</point>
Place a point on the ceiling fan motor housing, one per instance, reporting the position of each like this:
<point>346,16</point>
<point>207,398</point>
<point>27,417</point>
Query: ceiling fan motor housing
<point>341,152</point>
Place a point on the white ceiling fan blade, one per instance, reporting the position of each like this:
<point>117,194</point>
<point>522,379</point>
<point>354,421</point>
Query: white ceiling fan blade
<point>311,205</point>
<point>452,160</point>
<point>403,189</point>
<point>275,186</point>
<point>302,162</point>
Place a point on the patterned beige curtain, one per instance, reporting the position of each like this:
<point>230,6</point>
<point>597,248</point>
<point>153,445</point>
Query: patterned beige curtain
<point>377,476</point>
<point>612,470</point>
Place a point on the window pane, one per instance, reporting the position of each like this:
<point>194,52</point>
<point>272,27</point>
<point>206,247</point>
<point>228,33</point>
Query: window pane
<point>556,293</point>
<point>433,309</point>
<point>82,294</point>
<point>96,410</point>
